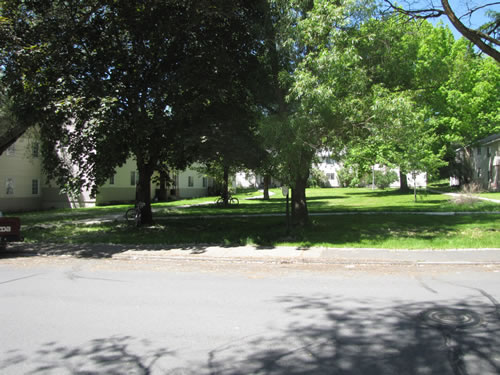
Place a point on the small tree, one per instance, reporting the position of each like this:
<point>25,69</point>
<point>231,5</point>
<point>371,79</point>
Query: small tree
<point>410,134</point>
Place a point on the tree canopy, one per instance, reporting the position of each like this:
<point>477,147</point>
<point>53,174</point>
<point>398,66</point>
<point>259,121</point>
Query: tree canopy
<point>110,79</point>
<point>485,37</point>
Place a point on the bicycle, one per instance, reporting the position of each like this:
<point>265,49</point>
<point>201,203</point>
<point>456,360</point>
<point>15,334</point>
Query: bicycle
<point>134,214</point>
<point>230,200</point>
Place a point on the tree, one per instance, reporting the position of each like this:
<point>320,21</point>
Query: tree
<point>315,82</point>
<point>111,79</point>
<point>410,138</point>
<point>10,127</point>
<point>485,37</point>
<point>230,146</point>
<point>438,75</point>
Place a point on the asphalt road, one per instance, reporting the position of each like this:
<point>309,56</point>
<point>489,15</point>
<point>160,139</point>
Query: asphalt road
<point>61,315</point>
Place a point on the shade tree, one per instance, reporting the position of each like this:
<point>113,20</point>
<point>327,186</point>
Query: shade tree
<point>108,80</point>
<point>485,36</point>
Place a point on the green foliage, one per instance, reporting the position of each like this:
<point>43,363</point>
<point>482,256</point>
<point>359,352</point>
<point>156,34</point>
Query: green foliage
<point>106,80</point>
<point>317,179</point>
<point>348,176</point>
<point>353,176</point>
<point>384,178</point>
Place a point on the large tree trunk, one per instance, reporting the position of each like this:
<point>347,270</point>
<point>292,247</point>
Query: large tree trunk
<point>267,182</point>
<point>143,192</point>
<point>300,215</point>
<point>403,183</point>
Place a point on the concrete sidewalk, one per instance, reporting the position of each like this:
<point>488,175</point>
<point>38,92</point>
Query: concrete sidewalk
<point>256,254</point>
<point>319,255</point>
<point>279,254</point>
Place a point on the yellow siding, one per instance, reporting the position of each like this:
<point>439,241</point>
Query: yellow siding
<point>19,168</point>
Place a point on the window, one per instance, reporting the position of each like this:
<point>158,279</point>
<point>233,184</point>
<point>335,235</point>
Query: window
<point>9,186</point>
<point>330,176</point>
<point>488,152</point>
<point>190,181</point>
<point>112,180</point>
<point>479,150</point>
<point>133,178</point>
<point>205,182</point>
<point>35,150</point>
<point>34,187</point>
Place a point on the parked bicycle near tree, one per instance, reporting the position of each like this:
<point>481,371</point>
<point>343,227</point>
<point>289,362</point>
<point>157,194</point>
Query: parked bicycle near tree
<point>230,200</point>
<point>134,215</point>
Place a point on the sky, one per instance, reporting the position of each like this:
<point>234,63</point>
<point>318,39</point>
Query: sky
<point>460,7</point>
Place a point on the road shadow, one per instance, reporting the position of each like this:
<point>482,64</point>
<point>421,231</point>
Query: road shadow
<point>97,251</point>
<point>324,334</point>
<point>110,355</point>
<point>332,335</point>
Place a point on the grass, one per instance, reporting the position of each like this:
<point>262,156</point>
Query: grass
<point>336,200</point>
<point>445,187</point>
<point>491,195</point>
<point>377,231</point>
<point>175,224</point>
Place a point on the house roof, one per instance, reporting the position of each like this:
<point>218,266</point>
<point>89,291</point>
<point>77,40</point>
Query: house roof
<point>489,139</point>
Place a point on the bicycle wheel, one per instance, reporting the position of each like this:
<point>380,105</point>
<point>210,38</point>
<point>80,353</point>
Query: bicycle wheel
<point>219,202</point>
<point>130,215</point>
<point>234,201</point>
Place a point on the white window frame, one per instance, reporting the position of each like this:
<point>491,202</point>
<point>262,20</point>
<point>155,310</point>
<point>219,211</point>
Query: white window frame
<point>133,178</point>
<point>10,186</point>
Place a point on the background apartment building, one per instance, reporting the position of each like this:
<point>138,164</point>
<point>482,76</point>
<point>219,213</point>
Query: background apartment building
<point>23,185</point>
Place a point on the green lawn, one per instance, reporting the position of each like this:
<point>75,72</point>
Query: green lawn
<point>334,200</point>
<point>492,195</point>
<point>385,228</point>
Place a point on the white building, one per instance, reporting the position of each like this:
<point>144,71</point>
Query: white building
<point>330,167</point>
<point>23,185</point>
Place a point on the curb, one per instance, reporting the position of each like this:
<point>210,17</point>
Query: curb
<point>285,260</point>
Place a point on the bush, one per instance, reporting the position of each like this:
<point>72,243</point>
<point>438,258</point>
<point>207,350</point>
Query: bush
<point>351,177</point>
<point>383,179</point>
<point>347,177</point>
<point>317,179</point>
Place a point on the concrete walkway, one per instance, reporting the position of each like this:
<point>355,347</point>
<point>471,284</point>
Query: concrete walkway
<point>323,255</point>
<point>259,254</point>
<point>458,195</point>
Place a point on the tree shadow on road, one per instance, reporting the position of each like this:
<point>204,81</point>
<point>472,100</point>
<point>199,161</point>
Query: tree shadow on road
<point>322,335</point>
<point>329,338</point>
<point>112,355</point>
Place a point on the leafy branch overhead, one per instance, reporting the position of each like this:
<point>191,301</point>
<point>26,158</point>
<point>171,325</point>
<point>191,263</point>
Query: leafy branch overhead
<point>485,37</point>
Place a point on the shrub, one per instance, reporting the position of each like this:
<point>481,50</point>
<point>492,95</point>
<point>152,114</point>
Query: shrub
<point>348,177</point>
<point>317,179</point>
<point>383,179</point>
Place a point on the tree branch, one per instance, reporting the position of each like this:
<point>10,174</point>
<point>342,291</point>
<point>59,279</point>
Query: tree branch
<point>10,136</point>
<point>477,37</point>
<point>474,36</point>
